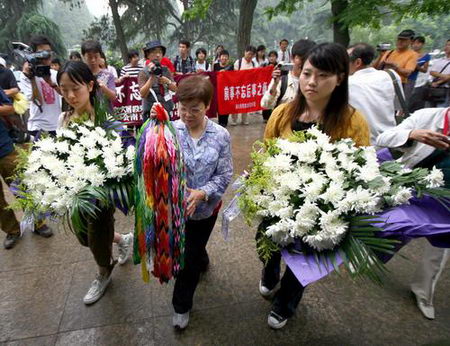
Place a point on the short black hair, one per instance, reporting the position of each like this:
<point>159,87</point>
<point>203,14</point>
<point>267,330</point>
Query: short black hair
<point>56,61</point>
<point>91,46</point>
<point>302,47</point>
<point>200,50</point>
<point>421,39</point>
<point>250,49</point>
<point>39,40</point>
<point>74,54</point>
<point>261,47</point>
<point>224,52</point>
<point>186,43</point>
<point>284,40</point>
<point>362,51</point>
<point>273,52</point>
<point>132,53</point>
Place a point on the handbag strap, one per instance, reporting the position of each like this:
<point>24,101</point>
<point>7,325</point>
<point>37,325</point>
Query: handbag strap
<point>399,93</point>
<point>445,67</point>
<point>436,78</point>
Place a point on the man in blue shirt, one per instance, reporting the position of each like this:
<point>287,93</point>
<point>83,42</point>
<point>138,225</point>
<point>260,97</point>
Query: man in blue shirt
<point>8,162</point>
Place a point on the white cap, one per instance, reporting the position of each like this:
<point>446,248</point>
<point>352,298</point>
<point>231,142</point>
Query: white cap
<point>2,62</point>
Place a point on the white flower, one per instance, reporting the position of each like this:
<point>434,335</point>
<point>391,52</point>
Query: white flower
<point>332,231</point>
<point>46,144</point>
<point>315,187</point>
<point>334,193</point>
<point>93,154</point>
<point>434,179</point>
<point>402,196</point>
<point>289,180</point>
<point>367,173</point>
<point>280,232</point>
<point>307,151</point>
<point>279,162</point>
<point>305,219</point>
<point>360,200</point>
<point>131,152</point>
<point>66,133</point>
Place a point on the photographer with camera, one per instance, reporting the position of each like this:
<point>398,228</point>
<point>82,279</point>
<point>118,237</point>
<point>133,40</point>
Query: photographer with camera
<point>38,83</point>
<point>155,80</point>
<point>284,84</point>
<point>402,60</point>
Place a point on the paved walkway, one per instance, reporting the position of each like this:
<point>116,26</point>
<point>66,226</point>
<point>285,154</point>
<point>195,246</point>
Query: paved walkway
<point>42,283</point>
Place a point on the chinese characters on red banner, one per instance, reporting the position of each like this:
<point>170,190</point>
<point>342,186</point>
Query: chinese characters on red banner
<point>241,91</point>
<point>128,104</point>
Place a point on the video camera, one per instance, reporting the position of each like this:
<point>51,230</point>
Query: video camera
<point>285,68</point>
<point>24,53</point>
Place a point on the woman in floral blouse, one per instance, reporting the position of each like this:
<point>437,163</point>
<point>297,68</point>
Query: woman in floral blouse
<point>207,155</point>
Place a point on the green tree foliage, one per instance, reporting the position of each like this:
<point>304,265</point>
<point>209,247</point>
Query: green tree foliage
<point>72,20</point>
<point>10,13</point>
<point>367,13</point>
<point>102,30</point>
<point>36,24</point>
<point>313,22</point>
<point>20,20</point>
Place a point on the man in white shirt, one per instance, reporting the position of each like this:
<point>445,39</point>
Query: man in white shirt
<point>284,87</point>
<point>42,92</point>
<point>418,137</point>
<point>440,70</point>
<point>372,91</point>
<point>283,54</point>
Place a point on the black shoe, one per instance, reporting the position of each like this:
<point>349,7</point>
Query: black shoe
<point>11,240</point>
<point>276,321</point>
<point>44,231</point>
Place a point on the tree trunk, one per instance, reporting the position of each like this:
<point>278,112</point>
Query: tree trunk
<point>187,24</point>
<point>244,34</point>
<point>341,32</point>
<point>119,30</point>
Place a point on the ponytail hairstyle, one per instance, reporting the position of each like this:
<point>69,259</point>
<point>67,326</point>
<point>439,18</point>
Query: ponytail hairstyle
<point>332,58</point>
<point>79,73</point>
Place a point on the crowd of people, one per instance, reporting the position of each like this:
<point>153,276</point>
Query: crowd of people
<point>350,93</point>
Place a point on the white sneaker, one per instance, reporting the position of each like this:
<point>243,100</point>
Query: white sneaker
<point>232,122</point>
<point>275,321</point>
<point>125,248</point>
<point>264,291</point>
<point>426,309</point>
<point>97,289</point>
<point>180,321</point>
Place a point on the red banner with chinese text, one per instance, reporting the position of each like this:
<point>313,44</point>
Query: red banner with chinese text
<point>128,104</point>
<point>241,91</point>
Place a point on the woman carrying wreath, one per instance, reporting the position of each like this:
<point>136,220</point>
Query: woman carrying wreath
<point>79,86</point>
<point>322,100</point>
<point>206,148</point>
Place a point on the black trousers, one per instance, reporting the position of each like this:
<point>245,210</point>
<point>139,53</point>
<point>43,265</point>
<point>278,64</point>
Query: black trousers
<point>223,119</point>
<point>266,113</point>
<point>288,297</point>
<point>195,261</point>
